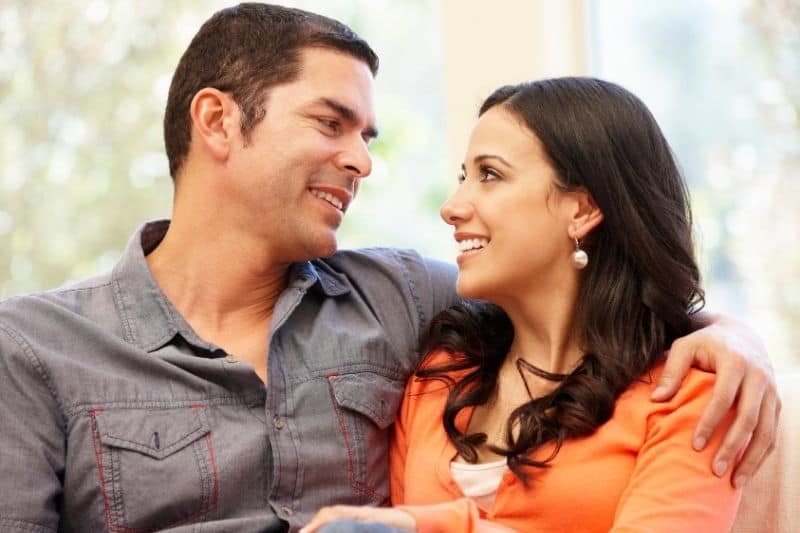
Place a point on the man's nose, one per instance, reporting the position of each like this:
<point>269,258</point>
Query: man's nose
<point>355,159</point>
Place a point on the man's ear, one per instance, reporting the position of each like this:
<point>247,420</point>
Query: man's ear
<point>586,215</point>
<point>215,120</point>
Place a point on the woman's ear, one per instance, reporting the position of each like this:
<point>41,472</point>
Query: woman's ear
<point>586,215</point>
<point>214,115</point>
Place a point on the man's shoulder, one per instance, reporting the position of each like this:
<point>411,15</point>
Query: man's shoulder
<point>392,277</point>
<point>391,262</point>
<point>690,399</point>
<point>373,255</point>
<point>34,310</point>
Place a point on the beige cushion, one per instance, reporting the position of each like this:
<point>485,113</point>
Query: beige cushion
<point>771,500</point>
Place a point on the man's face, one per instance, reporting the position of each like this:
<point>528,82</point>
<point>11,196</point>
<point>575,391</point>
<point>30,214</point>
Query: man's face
<point>301,168</point>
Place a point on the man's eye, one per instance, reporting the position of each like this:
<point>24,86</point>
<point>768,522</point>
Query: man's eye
<point>461,177</point>
<point>332,125</point>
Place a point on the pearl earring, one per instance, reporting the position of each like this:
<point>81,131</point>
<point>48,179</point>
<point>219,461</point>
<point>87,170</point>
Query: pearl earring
<point>579,257</point>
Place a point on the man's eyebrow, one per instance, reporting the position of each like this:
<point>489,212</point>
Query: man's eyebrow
<point>348,115</point>
<point>483,157</point>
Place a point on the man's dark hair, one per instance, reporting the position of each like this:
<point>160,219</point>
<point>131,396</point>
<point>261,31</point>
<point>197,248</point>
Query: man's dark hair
<point>637,294</point>
<point>244,50</point>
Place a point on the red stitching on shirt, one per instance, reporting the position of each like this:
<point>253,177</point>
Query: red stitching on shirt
<point>357,485</point>
<point>98,456</point>
<point>117,528</point>
<point>213,474</point>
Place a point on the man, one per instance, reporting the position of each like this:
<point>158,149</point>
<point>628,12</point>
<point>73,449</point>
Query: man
<point>225,377</point>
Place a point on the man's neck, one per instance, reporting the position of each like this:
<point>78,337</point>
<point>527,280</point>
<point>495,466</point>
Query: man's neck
<point>217,282</point>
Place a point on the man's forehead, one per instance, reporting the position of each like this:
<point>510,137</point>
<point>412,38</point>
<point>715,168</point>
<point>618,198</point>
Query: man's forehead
<point>335,72</point>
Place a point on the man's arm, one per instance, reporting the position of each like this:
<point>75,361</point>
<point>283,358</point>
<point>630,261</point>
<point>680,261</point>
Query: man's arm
<point>31,440</point>
<point>442,286</point>
<point>744,377</point>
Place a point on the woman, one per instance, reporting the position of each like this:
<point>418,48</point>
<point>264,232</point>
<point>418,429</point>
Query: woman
<point>532,412</point>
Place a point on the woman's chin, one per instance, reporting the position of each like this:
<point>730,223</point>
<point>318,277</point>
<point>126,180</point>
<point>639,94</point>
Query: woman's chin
<point>472,289</point>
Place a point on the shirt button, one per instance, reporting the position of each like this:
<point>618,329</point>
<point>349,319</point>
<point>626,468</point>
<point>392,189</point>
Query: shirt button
<point>287,511</point>
<point>278,423</point>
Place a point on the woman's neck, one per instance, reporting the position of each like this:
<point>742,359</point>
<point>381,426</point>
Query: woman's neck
<point>545,333</point>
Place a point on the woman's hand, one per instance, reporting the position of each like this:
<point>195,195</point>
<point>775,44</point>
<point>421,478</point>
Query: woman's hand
<point>745,376</point>
<point>392,517</point>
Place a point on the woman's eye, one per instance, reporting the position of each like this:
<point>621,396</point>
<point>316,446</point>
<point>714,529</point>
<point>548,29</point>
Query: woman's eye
<point>488,174</point>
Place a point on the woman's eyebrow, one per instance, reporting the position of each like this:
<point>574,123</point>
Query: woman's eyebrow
<point>483,157</point>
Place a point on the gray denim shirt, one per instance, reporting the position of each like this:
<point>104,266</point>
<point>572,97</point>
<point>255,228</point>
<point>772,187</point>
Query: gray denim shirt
<point>116,416</point>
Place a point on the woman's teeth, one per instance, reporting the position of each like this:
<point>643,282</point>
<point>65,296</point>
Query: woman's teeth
<point>328,197</point>
<point>472,244</point>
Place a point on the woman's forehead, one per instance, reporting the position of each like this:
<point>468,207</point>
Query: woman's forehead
<point>498,132</point>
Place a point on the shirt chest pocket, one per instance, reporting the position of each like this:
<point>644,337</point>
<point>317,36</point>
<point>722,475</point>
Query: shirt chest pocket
<point>156,466</point>
<point>366,404</point>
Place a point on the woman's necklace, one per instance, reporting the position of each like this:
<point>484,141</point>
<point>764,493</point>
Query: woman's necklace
<point>524,368</point>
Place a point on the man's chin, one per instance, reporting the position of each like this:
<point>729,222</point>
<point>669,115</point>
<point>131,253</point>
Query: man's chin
<point>324,247</point>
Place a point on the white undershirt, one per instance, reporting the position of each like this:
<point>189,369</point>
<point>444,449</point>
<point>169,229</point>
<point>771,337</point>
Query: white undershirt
<point>479,481</point>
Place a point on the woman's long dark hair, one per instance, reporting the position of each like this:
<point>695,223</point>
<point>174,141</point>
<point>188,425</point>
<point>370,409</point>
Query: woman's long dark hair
<point>636,295</point>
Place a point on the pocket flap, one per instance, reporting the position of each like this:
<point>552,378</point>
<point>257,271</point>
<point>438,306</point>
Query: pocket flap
<point>154,432</point>
<point>370,394</point>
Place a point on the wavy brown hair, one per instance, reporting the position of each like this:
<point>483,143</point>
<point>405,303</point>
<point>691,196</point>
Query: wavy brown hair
<point>636,295</point>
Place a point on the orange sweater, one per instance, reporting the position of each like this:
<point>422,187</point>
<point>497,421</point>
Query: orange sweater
<point>637,472</point>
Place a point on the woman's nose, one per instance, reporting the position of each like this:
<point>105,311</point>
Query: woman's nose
<point>455,209</point>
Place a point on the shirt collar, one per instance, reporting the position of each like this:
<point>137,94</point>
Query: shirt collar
<point>149,319</point>
<point>319,274</point>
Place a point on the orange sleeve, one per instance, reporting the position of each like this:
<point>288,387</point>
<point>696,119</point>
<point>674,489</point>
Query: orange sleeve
<point>398,447</point>
<point>672,487</point>
<point>456,515</point>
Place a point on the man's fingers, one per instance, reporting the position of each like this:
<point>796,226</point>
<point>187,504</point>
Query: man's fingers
<point>323,516</point>
<point>681,355</point>
<point>751,396</point>
<point>318,520</point>
<point>763,441</point>
<point>726,388</point>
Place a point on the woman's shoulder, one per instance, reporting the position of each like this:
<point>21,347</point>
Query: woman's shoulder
<point>434,375</point>
<point>694,392</point>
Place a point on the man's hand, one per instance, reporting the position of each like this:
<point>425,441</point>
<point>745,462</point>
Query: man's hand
<point>744,375</point>
<point>391,517</point>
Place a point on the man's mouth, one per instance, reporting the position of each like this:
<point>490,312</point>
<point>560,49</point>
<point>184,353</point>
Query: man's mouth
<point>329,197</point>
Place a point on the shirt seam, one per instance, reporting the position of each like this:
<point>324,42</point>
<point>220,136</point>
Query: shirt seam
<point>53,292</point>
<point>75,289</point>
<point>171,403</point>
<point>40,369</point>
<point>395,373</point>
<point>119,303</point>
<point>26,523</point>
<point>411,286</point>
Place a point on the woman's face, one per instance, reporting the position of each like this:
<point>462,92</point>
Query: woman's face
<point>510,220</point>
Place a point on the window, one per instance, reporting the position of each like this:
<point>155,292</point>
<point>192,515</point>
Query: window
<point>84,84</point>
<point>723,79</point>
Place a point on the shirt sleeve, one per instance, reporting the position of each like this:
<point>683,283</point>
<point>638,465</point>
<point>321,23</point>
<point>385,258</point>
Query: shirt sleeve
<point>32,441</point>
<point>432,282</point>
<point>442,278</point>
<point>456,515</point>
<point>672,487</point>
